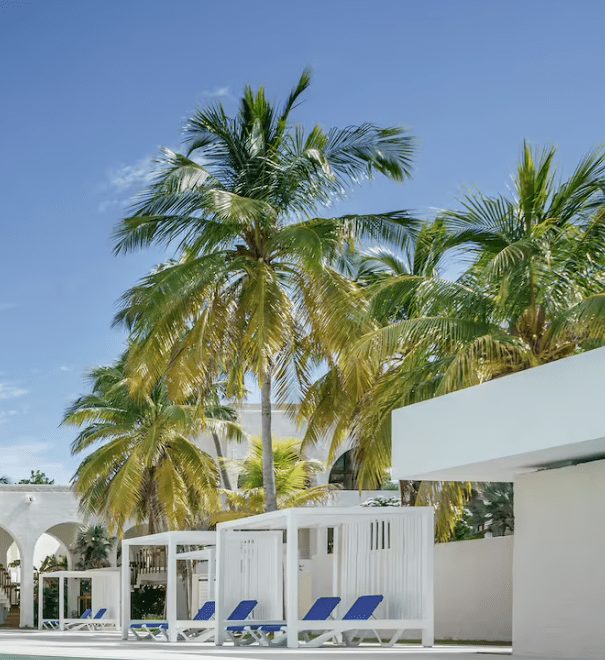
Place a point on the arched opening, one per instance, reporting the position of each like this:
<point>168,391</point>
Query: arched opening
<point>10,579</point>
<point>344,471</point>
<point>54,552</point>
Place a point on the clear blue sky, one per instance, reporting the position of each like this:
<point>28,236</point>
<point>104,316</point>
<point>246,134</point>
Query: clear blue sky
<point>89,90</point>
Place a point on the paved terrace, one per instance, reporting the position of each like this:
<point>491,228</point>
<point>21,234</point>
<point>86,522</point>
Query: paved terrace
<point>109,645</point>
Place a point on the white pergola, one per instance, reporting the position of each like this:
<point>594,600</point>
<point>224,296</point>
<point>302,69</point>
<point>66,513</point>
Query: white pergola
<point>170,540</point>
<point>376,550</point>
<point>105,584</point>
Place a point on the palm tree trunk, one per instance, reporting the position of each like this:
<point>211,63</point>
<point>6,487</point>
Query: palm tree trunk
<point>221,465</point>
<point>408,491</point>
<point>268,468</point>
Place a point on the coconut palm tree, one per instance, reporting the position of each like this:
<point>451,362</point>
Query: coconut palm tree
<point>93,545</point>
<point>146,468</point>
<point>252,289</point>
<point>293,478</point>
<point>533,291</point>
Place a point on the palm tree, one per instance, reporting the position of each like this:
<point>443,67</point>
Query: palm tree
<point>533,292</point>
<point>293,479</point>
<point>4,480</point>
<point>147,468</point>
<point>253,290</point>
<point>93,545</point>
<point>493,509</point>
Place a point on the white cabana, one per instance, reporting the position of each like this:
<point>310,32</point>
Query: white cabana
<point>105,593</point>
<point>169,540</point>
<point>357,551</point>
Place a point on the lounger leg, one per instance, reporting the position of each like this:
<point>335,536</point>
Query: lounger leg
<point>318,641</point>
<point>393,639</point>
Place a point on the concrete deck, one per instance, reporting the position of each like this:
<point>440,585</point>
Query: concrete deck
<point>109,645</point>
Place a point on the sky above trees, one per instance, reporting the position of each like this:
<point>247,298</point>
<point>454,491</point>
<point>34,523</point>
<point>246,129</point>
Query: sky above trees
<point>91,90</point>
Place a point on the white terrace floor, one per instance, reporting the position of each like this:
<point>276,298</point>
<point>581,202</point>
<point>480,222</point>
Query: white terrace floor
<point>109,645</point>
<point>55,644</point>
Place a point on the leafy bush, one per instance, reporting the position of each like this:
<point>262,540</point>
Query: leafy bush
<point>148,601</point>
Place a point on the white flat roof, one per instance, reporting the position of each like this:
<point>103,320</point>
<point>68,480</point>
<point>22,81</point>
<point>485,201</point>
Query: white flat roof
<point>318,516</point>
<point>192,537</point>
<point>542,417</point>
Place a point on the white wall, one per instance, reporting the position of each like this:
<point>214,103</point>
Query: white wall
<point>559,562</point>
<point>507,426</point>
<point>473,590</point>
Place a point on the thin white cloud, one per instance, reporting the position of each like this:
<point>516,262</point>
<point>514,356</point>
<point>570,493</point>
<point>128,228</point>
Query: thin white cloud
<point>22,454</point>
<point>219,92</point>
<point>64,367</point>
<point>109,203</point>
<point>11,391</point>
<point>33,454</point>
<point>125,178</point>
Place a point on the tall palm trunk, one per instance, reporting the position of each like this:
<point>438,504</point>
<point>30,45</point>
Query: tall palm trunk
<point>268,468</point>
<point>221,465</point>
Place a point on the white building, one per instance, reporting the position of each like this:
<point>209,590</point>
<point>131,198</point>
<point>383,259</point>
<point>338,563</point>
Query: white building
<point>544,430</point>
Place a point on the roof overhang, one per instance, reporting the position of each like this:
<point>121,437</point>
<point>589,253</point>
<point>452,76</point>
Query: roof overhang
<point>544,417</point>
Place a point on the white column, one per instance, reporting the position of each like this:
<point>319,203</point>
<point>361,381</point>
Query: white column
<point>40,600</point>
<point>171,588</point>
<point>61,602</point>
<point>125,588</point>
<point>292,581</point>
<point>113,556</point>
<point>219,616</point>
<point>27,586</point>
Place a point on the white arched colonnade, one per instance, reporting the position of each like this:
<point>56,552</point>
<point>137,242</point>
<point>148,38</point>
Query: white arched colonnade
<point>26,512</point>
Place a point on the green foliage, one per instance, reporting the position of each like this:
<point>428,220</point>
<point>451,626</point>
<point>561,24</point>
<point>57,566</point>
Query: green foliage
<point>146,469</point>
<point>493,509</point>
<point>147,601</point>
<point>293,478</point>
<point>38,478</point>
<point>93,546</point>
<point>53,563</point>
<point>532,291</point>
<point>4,480</point>
<point>253,288</point>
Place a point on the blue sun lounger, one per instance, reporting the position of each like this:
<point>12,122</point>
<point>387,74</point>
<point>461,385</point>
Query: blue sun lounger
<point>362,610</point>
<point>275,634</point>
<point>205,613</point>
<point>204,631</point>
<point>92,623</point>
<point>159,629</point>
<point>54,623</point>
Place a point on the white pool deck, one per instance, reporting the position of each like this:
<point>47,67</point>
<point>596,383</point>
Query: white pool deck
<point>55,644</point>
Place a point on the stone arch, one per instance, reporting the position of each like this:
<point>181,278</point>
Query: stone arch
<point>7,538</point>
<point>65,533</point>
